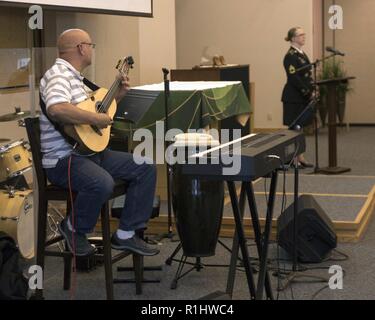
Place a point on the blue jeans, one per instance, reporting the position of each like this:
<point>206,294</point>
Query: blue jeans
<point>92,178</point>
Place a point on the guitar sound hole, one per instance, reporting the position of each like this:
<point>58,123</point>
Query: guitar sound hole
<point>98,105</point>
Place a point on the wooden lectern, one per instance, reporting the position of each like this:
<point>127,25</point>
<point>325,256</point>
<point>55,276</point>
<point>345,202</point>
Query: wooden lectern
<point>332,105</point>
<point>222,73</point>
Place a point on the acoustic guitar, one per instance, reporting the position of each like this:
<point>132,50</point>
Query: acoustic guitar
<point>90,138</point>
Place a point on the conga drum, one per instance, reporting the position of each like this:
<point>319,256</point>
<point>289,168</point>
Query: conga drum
<point>197,203</point>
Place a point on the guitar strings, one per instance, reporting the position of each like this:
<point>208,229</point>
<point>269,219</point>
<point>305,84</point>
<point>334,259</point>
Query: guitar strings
<point>111,92</point>
<point>108,97</point>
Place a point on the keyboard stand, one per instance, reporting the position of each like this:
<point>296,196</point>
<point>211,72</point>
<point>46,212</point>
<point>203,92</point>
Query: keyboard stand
<point>262,241</point>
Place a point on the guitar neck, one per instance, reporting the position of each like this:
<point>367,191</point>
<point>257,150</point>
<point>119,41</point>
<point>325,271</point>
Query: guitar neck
<point>123,68</point>
<point>110,96</point>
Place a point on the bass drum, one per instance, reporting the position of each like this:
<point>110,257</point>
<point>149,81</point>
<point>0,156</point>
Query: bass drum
<point>17,219</point>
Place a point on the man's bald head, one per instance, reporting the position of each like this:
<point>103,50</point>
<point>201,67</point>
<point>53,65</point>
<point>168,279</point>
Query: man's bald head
<point>74,45</point>
<point>69,39</point>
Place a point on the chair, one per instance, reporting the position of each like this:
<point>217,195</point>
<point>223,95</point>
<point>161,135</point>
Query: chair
<point>48,192</point>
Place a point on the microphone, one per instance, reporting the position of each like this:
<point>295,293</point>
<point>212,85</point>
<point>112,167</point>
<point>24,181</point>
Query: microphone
<point>335,51</point>
<point>165,71</point>
<point>166,81</point>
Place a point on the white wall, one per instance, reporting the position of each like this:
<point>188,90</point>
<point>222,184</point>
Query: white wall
<point>357,41</point>
<point>247,32</point>
<point>8,102</point>
<point>317,29</point>
<point>157,42</point>
<point>115,37</point>
<point>151,41</point>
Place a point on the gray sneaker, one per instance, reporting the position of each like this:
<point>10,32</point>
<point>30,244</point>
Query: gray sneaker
<point>134,244</point>
<point>82,245</point>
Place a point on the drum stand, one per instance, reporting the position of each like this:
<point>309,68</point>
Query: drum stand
<point>198,265</point>
<point>15,183</point>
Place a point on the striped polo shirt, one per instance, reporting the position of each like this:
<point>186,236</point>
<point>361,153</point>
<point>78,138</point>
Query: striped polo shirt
<point>61,83</point>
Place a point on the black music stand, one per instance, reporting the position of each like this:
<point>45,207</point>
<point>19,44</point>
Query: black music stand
<point>132,109</point>
<point>134,105</point>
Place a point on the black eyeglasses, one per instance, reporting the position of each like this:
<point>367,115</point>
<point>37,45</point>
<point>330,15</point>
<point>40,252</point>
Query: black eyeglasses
<point>93,45</point>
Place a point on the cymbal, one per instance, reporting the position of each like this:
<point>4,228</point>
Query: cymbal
<point>17,115</point>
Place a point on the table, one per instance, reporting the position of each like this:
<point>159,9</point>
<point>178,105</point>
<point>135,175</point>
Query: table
<point>192,104</point>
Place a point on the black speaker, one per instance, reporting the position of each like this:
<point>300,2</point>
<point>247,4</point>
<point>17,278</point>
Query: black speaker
<point>315,232</point>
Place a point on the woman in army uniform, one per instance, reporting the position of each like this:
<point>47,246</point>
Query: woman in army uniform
<point>299,90</point>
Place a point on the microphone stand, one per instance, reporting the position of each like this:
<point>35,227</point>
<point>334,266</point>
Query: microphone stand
<point>169,233</point>
<point>294,274</point>
<point>311,105</point>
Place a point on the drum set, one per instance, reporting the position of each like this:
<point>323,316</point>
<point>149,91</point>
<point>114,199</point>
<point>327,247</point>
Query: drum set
<point>16,198</point>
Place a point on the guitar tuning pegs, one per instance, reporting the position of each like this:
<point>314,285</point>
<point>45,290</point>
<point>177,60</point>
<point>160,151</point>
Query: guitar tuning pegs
<point>130,61</point>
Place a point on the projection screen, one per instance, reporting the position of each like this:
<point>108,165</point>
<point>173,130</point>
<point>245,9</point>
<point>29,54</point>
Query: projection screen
<point>119,7</point>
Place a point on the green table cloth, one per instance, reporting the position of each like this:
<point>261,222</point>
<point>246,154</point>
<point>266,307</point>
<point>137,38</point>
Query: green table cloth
<point>192,105</point>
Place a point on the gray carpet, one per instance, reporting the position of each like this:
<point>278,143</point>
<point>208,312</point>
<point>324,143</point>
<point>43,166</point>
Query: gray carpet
<point>359,281</point>
<point>346,209</point>
<point>322,184</point>
<point>355,150</point>
<point>341,197</point>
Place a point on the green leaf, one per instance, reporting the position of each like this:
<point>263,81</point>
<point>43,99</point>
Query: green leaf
<point>334,68</point>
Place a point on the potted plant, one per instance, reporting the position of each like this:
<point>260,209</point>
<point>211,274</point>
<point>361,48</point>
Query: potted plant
<point>333,69</point>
